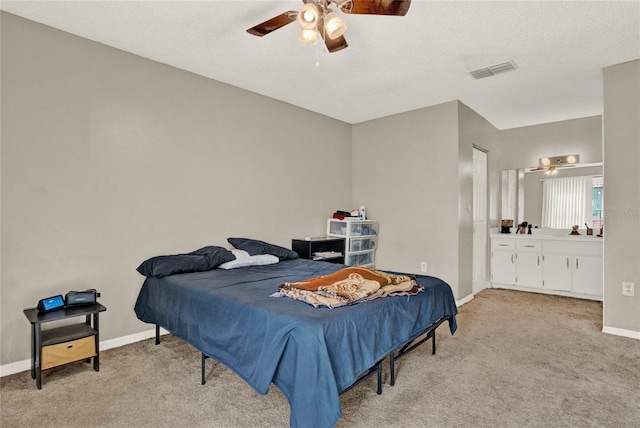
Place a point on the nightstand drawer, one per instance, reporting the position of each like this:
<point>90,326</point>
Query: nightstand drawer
<point>66,352</point>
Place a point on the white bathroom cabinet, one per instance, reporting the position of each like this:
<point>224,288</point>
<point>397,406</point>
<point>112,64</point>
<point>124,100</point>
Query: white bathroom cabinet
<point>569,266</point>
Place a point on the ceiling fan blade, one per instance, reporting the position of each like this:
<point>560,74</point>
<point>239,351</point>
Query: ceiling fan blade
<point>334,45</point>
<point>273,24</point>
<point>376,7</point>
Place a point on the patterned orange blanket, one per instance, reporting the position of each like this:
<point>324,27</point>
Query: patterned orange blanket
<point>349,285</point>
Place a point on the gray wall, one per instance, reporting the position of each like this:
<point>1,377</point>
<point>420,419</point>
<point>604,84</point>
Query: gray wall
<point>474,130</point>
<point>414,172</point>
<point>523,147</point>
<point>622,194</point>
<point>109,158</point>
<point>405,170</point>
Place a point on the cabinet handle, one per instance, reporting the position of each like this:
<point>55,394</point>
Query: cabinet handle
<point>529,246</point>
<point>69,346</point>
<point>511,258</point>
<point>538,260</point>
<point>503,245</point>
<point>576,263</point>
<point>567,262</point>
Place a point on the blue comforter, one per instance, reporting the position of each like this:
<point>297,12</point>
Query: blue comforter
<point>310,353</point>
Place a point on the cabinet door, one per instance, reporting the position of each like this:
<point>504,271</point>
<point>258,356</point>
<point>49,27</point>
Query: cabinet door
<point>503,267</point>
<point>557,272</point>
<point>587,275</point>
<point>528,270</point>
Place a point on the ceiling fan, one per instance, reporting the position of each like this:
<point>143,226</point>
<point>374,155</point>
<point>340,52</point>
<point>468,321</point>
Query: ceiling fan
<point>316,16</point>
<point>550,165</point>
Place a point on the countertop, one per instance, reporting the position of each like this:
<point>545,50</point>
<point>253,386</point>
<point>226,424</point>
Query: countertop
<point>549,237</point>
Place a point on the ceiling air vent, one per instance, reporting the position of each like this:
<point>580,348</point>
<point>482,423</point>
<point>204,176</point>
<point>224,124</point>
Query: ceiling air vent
<point>491,70</point>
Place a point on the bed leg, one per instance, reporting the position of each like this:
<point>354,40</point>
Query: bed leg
<point>433,343</point>
<point>204,357</point>
<point>157,334</point>
<point>392,367</point>
<point>379,391</point>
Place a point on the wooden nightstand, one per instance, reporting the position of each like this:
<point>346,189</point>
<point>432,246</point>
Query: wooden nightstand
<point>62,345</point>
<point>333,249</point>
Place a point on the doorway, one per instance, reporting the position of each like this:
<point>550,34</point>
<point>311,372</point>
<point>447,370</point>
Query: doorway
<point>480,223</point>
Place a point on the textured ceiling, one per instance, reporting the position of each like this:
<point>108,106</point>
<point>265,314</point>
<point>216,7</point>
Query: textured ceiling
<point>392,64</point>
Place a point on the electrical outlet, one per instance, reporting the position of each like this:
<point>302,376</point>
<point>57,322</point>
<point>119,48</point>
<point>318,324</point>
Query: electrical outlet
<point>423,267</point>
<point>628,288</point>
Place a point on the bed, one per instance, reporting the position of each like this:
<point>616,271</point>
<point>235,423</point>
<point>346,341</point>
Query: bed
<point>231,316</point>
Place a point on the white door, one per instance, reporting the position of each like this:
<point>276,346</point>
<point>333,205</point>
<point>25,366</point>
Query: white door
<point>480,226</point>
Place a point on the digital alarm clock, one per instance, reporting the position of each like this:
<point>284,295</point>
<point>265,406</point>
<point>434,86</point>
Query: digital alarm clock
<point>51,303</point>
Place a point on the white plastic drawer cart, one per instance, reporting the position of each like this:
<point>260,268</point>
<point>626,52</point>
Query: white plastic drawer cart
<point>361,239</point>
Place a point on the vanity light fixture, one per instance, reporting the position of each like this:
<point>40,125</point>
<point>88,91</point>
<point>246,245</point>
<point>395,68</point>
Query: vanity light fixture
<point>551,164</point>
<point>559,160</point>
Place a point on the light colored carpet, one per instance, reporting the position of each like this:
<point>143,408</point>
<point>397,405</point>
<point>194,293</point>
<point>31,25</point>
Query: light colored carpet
<point>517,360</point>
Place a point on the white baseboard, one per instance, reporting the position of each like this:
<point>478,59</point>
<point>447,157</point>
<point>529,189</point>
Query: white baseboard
<point>546,291</point>
<point>24,365</point>
<point>621,332</point>
<point>464,300</point>
<point>17,367</point>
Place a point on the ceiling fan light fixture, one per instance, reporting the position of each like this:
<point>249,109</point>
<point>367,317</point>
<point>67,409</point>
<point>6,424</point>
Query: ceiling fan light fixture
<point>545,161</point>
<point>308,16</point>
<point>571,159</point>
<point>334,26</point>
<point>316,15</point>
<point>308,36</point>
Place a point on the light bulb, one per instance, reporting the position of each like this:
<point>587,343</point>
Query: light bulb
<point>308,36</point>
<point>308,16</point>
<point>334,25</point>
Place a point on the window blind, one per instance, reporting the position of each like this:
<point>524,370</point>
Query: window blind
<point>566,202</point>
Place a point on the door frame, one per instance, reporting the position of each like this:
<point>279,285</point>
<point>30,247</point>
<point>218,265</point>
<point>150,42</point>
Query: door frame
<point>480,260</point>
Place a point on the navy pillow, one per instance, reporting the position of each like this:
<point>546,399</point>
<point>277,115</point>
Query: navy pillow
<point>201,260</point>
<point>218,255</point>
<point>255,247</point>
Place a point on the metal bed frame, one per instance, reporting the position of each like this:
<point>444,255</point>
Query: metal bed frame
<point>410,346</point>
<point>428,333</point>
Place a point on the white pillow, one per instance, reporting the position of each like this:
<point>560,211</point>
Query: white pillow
<point>244,259</point>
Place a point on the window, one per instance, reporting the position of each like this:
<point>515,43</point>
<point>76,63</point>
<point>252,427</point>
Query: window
<point>596,203</point>
<point>572,201</point>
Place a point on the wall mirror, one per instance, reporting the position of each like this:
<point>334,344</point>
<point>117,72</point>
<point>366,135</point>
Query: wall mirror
<point>522,194</point>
